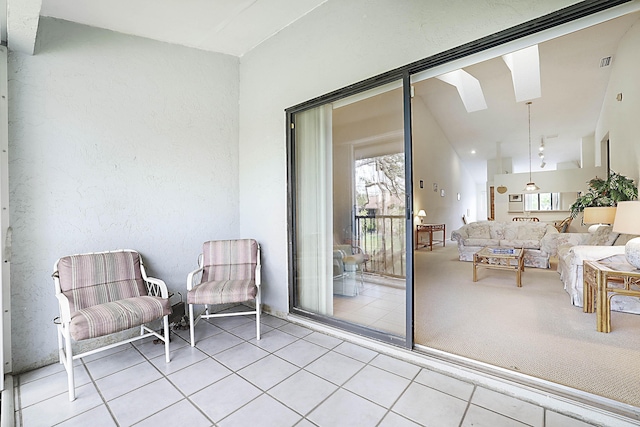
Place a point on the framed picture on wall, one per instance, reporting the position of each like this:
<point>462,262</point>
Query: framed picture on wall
<point>515,197</point>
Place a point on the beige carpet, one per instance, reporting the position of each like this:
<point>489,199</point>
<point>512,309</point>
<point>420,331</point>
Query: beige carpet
<point>532,330</point>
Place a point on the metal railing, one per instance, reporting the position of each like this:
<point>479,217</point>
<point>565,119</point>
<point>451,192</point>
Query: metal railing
<point>382,238</point>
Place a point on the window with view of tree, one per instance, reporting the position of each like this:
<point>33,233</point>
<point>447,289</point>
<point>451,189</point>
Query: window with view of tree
<point>542,202</point>
<point>380,206</point>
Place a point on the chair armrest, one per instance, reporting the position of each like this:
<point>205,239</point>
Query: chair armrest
<point>549,242</point>
<point>156,287</point>
<point>258,275</point>
<point>572,239</point>
<point>594,253</point>
<point>459,235</point>
<point>191,276</point>
<point>65,311</point>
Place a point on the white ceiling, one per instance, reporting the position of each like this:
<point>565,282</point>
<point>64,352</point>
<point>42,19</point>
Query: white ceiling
<point>573,89</point>
<point>573,84</point>
<point>233,27</point>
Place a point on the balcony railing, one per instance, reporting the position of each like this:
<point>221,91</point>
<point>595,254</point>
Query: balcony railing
<point>382,238</point>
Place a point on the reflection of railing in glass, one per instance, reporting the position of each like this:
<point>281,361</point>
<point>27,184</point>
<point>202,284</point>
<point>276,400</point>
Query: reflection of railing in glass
<point>382,238</point>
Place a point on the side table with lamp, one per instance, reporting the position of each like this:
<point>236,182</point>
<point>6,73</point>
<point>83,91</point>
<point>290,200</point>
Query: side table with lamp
<point>599,216</point>
<point>604,281</point>
<point>627,221</point>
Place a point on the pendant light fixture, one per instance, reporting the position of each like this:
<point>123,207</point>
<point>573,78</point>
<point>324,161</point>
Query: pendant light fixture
<point>531,186</point>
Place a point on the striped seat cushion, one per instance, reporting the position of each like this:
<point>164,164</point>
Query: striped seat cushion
<point>229,259</point>
<point>222,292</point>
<point>91,279</point>
<point>116,316</point>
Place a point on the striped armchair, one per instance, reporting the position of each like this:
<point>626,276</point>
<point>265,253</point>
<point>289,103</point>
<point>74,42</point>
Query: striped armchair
<point>103,293</point>
<point>228,273</point>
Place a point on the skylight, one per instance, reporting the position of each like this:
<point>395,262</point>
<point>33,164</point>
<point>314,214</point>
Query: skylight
<point>525,73</point>
<point>468,88</point>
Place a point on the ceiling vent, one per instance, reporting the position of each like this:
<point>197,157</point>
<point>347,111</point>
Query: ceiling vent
<point>605,62</point>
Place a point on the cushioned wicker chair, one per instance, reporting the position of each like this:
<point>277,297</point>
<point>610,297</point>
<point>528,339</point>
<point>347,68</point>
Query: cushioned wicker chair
<point>228,273</point>
<point>563,226</point>
<point>103,293</point>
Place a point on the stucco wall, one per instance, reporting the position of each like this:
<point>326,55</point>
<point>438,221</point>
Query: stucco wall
<point>337,44</point>
<point>115,142</point>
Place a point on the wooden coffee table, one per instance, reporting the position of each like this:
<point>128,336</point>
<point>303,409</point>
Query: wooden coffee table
<point>500,259</point>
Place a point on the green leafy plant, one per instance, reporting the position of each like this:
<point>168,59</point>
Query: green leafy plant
<point>616,188</point>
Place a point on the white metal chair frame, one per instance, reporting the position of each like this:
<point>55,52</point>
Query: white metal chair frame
<point>197,275</point>
<point>155,287</point>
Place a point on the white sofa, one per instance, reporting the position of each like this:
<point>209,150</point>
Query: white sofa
<point>537,239</point>
<point>574,249</point>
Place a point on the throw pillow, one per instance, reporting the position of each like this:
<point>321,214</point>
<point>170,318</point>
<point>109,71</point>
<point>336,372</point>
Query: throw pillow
<point>511,231</point>
<point>478,231</point>
<point>531,231</point>
<point>603,236</point>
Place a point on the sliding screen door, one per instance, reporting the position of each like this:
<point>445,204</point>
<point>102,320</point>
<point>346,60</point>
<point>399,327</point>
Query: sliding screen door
<point>349,212</point>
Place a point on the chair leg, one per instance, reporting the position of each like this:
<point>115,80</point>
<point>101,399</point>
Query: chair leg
<point>191,334</point>
<point>61,353</point>
<point>166,338</point>
<point>258,310</point>
<point>69,366</point>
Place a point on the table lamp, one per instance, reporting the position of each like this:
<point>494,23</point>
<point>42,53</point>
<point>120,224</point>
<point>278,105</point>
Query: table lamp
<point>627,221</point>
<point>599,216</point>
<point>422,214</point>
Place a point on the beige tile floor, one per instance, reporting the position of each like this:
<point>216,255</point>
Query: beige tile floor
<point>293,376</point>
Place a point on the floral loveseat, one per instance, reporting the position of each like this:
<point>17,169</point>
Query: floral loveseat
<point>603,245</point>
<point>536,238</point>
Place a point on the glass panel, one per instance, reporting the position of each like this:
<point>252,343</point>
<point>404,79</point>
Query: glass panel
<point>531,202</point>
<point>542,202</point>
<point>350,210</point>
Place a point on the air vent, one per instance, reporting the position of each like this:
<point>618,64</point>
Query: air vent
<point>605,62</point>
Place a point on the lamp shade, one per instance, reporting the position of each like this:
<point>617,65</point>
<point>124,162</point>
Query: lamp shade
<point>599,215</point>
<point>421,212</point>
<point>627,220</point>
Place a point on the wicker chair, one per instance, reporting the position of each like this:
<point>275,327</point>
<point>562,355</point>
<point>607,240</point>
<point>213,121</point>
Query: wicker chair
<point>525,218</point>
<point>563,226</point>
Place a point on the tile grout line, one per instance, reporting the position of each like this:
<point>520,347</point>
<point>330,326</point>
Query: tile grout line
<point>466,409</point>
<point>166,377</point>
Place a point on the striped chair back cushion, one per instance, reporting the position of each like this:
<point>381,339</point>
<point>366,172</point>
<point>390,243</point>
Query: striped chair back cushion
<point>229,259</point>
<point>90,279</point>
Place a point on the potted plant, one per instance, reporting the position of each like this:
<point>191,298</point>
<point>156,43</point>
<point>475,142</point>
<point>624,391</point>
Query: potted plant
<point>616,188</point>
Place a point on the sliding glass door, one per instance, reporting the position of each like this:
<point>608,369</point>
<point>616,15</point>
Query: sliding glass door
<point>349,213</point>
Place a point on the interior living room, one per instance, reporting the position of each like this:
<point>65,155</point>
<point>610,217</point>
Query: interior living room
<point>159,127</point>
<point>472,165</point>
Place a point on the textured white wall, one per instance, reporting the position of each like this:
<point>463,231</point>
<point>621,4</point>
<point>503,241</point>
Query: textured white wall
<point>338,44</point>
<point>435,161</point>
<point>619,119</point>
<point>115,142</point>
